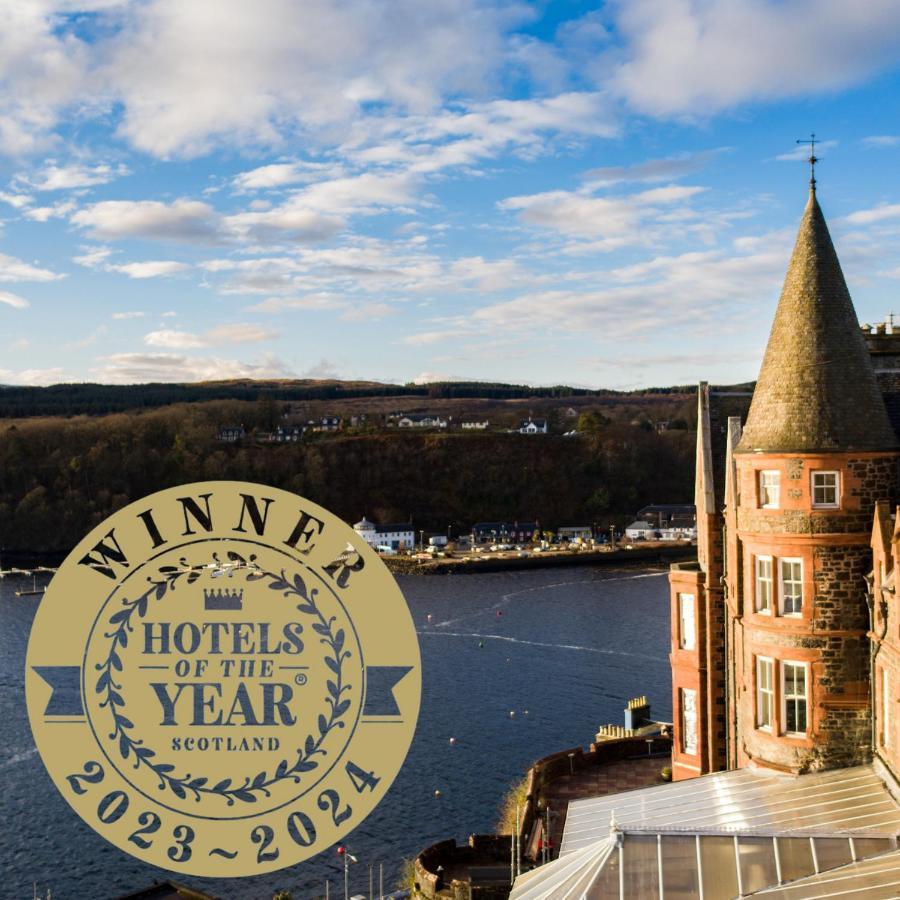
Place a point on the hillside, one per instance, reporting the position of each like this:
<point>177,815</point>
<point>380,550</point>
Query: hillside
<point>59,476</point>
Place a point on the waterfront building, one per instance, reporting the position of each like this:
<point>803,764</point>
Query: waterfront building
<point>669,515</point>
<point>516,532</point>
<point>641,531</point>
<point>771,646</point>
<point>398,536</point>
<point>785,646</point>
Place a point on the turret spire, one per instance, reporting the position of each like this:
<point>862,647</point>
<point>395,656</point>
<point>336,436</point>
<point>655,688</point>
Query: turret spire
<point>816,389</point>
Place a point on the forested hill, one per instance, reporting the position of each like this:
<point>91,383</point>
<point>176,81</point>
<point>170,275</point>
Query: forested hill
<point>98,399</point>
<point>60,476</point>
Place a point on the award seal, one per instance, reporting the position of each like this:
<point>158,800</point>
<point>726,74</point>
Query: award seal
<point>223,679</point>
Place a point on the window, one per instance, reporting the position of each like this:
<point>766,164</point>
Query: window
<point>791,586</point>
<point>764,584</point>
<point>689,721</point>
<point>825,490</point>
<point>768,489</point>
<point>885,708</point>
<point>686,614</point>
<point>765,692</point>
<point>794,698</point>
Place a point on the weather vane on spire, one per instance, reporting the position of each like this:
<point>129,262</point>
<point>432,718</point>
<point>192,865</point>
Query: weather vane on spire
<point>813,159</point>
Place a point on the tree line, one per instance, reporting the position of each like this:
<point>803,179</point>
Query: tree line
<point>61,477</point>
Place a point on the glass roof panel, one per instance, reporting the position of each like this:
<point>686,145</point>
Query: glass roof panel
<point>719,872</point>
<point>757,857</point>
<point>796,858</point>
<point>832,852</point>
<point>679,867</point>
<point>641,866</point>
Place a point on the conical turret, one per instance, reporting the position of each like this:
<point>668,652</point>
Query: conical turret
<point>816,389</point>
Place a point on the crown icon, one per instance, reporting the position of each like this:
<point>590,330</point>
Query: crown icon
<point>223,599</point>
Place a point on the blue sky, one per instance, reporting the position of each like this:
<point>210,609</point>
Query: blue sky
<point>593,194</point>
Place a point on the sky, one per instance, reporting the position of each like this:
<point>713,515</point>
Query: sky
<point>594,194</point>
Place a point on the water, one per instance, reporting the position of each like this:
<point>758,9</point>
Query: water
<point>569,646</point>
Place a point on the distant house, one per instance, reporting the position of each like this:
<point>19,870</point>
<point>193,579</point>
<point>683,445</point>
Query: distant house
<point>640,531</point>
<point>287,434</point>
<point>574,533</point>
<point>358,421</point>
<point>400,536</point>
<point>416,420</point>
<point>504,532</point>
<point>672,515</point>
<point>533,426</point>
<point>326,423</point>
<point>231,434</point>
<point>475,426</point>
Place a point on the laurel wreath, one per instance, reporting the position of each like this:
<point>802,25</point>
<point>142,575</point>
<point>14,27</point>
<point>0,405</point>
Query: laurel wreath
<point>248,792</point>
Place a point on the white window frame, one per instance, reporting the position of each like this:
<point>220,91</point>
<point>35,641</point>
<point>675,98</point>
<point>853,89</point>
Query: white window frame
<point>762,579</point>
<point>885,708</point>
<point>773,491</point>
<point>786,698</point>
<point>782,561</point>
<point>687,637</point>
<point>837,488</point>
<point>688,737</point>
<point>765,662</point>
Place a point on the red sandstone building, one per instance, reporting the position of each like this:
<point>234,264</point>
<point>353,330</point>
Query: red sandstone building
<point>785,636</point>
<point>785,649</point>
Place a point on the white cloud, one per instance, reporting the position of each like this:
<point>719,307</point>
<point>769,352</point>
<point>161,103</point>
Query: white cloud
<point>13,300</point>
<point>131,314</point>
<point>32,376</point>
<point>277,175</point>
<point>12,269</point>
<point>134,368</point>
<point>694,57</point>
<point>150,268</point>
<point>236,333</point>
<point>875,214</point>
<point>184,220</point>
<point>55,177</point>
<point>308,302</point>
<point>173,340</point>
<point>321,210</point>
<point>651,170</point>
<point>17,201</point>
<point>612,222</point>
<point>259,71</point>
<point>367,312</point>
<point>92,257</point>
<point>45,213</point>
<point>41,69</point>
<point>881,141</point>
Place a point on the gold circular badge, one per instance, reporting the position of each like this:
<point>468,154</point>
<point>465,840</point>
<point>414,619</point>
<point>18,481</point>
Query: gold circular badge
<point>223,679</point>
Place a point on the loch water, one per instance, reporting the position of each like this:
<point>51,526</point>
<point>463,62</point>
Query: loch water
<point>570,646</point>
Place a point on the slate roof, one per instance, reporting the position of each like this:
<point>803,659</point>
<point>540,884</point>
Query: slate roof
<point>816,389</point>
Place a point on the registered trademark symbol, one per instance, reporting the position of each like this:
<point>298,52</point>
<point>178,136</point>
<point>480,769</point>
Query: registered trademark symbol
<point>300,678</point>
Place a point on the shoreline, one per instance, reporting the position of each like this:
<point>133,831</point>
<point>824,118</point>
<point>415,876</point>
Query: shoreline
<point>404,565</point>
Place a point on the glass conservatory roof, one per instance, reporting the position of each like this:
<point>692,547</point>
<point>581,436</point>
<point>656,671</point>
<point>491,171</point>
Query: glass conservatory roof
<point>730,834</point>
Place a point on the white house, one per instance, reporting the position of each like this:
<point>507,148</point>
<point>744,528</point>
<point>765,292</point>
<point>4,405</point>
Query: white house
<point>396,536</point>
<point>533,426</point>
<point>640,531</point>
<point>421,421</point>
<point>475,426</point>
